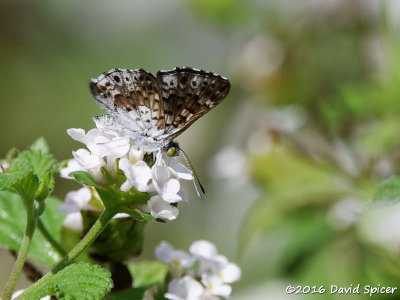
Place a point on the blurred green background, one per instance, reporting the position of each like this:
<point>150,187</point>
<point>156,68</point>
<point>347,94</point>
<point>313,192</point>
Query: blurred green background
<point>290,160</point>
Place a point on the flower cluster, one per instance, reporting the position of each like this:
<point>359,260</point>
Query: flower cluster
<point>201,275</point>
<point>113,153</point>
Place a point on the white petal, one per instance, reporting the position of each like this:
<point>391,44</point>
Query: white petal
<point>215,285</point>
<point>203,248</point>
<point>87,160</point>
<point>185,288</point>
<point>76,201</point>
<point>116,147</point>
<point>138,174</point>
<point>161,209</point>
<point>135,155</point>
<point>72,166</point>
<point>77,134</point>
<point>223,290</point>
<point>180,170</point>
<point>68,208</point>
<point>170,191</point>
<point>160,174</point>
<point>163,252</point>
<point>230,273</point>
<point>74,221</point>
<point>121,216</point>
<point>126,186</point>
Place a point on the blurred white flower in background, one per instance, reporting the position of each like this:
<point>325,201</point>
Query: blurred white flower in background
<point>380,226</point>
<point>345,212</point>
<point>229,164</point>
<point>175,258</point>
<point>186,288</point>
<point>204,274</point>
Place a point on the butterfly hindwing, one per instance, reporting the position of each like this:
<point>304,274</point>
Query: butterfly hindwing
<point>187,94</point>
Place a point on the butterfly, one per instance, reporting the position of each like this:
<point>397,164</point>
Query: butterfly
<point>153,110</point>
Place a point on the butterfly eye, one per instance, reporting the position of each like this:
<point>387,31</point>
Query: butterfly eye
<point>171,152</point>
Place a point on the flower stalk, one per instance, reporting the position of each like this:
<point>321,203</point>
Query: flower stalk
<point>89,238</point>
<point>22,254</point>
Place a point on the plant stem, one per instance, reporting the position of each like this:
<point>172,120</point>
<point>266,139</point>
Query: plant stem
<point>89,238</point>
<point>22,254</point>
<point>50,238</point>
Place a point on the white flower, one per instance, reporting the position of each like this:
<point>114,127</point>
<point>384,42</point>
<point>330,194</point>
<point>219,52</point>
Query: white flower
<point>107,147</point>
<point>214,271</point>
<point>166,186</point>
<point>135,155</point>
<point>137,175</point>
<point>215,285</point>
<point>76,201</point>
<point>185,288</point>
<point>74,221</point>
<point>175,258</point>
<point>161,209</point>
<point>104,150</point>
<point>72,166</point>
<point>213,263</point>
<point>90,163</point>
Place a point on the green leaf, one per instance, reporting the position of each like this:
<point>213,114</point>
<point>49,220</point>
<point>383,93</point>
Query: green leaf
<point>27,187</point>
<point>46,187</point>
<point>148,273</point>
<point>8,180</point>
<point>77,281</point>
<point>35,162</point>
<point>108,178</point>
<point>388,192</point>
<point>84,178</point>
<point>130,294</point>
<point>40,145</point>
<point>113,197</point>
<point>13,222</point>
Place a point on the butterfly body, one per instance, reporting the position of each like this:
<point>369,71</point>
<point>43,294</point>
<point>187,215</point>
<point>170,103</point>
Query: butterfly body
<point>153,110</point>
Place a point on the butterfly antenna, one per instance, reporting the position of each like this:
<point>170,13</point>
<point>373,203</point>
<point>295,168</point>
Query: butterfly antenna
<point>189,165</point>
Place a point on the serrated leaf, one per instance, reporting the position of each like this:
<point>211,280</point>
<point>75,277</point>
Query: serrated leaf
<point>35,162</point>
<point>77,281</point>
<point>40,145</point>
<point>388,192</point>
<point>27,187</point>
<point>148,273</point>
<point>13,222</point>
<point>84,178</point>
<point>130,294</point>
<point>8,180</point>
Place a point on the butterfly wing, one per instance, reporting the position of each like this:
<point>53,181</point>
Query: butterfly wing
<point>187,94</point>
<point>132,98</point>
